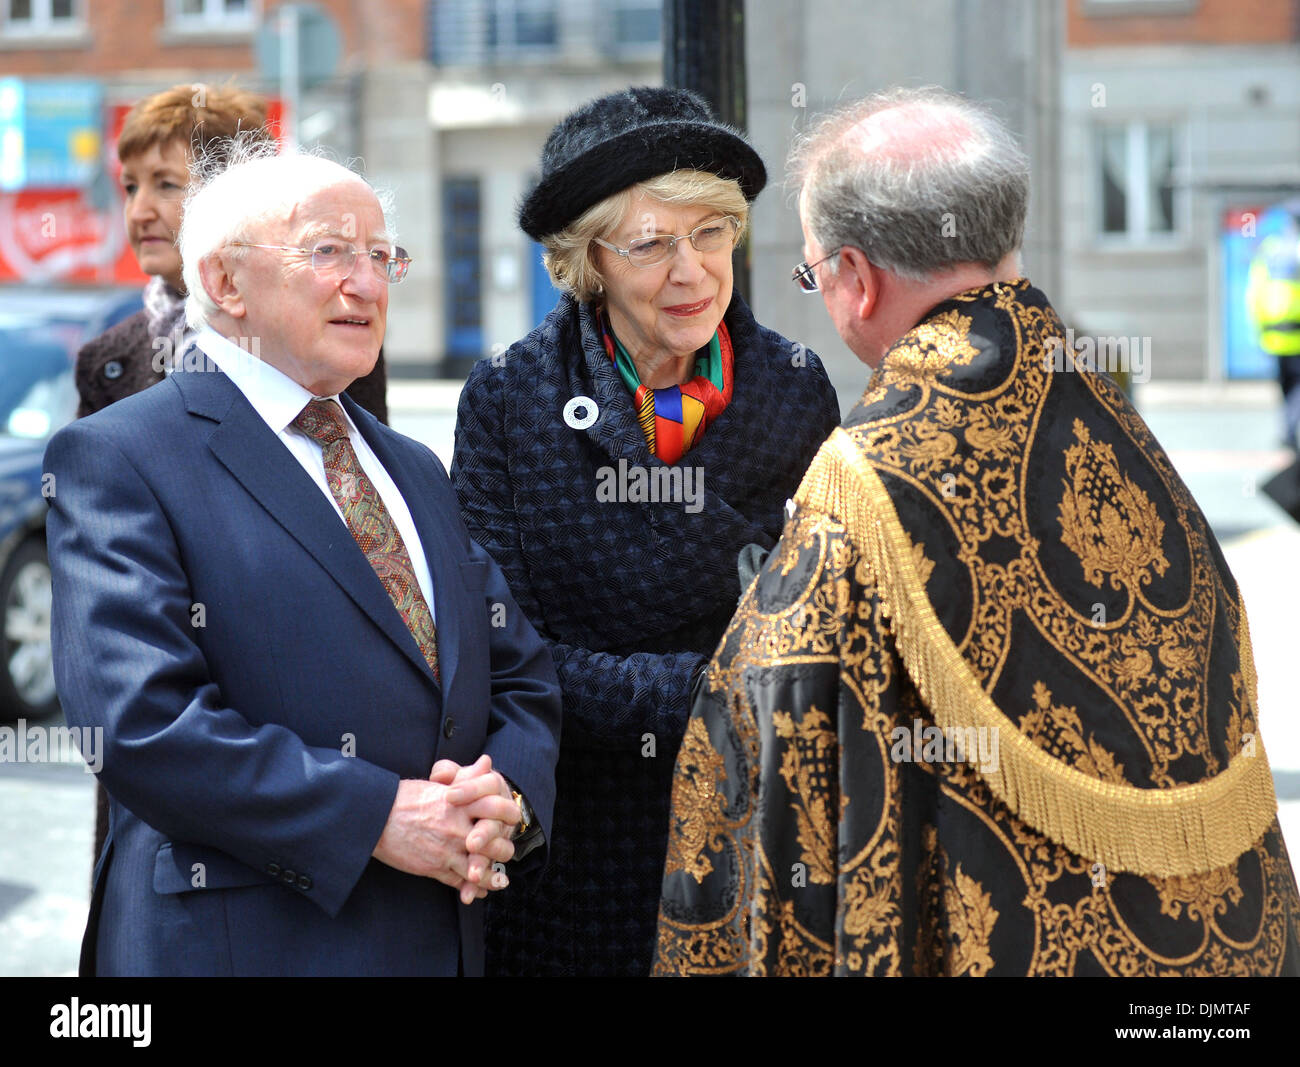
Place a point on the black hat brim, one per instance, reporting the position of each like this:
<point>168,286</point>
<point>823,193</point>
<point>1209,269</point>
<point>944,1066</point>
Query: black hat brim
<point>633,156</point>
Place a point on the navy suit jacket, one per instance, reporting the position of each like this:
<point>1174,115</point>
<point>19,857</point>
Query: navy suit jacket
<point>260,696</point>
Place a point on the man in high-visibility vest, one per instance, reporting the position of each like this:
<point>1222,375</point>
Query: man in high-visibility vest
<point>1273,301</point>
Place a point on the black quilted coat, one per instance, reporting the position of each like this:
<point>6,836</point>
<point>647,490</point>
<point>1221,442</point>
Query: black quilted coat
<point>632,596</point>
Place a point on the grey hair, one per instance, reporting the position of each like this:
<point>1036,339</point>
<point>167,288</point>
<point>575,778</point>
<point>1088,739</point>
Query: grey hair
<point>945,183</point>
<point>239,184</point>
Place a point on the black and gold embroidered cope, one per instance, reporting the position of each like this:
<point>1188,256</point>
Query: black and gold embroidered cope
<point>989,708</point>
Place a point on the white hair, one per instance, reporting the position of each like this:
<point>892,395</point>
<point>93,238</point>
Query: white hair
<point>241,185</point>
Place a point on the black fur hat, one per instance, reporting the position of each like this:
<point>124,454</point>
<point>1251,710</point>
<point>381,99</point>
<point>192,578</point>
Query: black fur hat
<point>624,138</point>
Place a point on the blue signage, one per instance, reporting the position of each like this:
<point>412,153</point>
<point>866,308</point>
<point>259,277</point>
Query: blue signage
<point>51,133</point>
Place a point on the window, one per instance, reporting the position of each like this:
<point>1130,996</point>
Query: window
<point>477,31</point>
<point>1138,7</point>
<point>468,32</point>
<point>1137,197</point>
<point>522,24</point>
<point>37,17</point>
<point>462,225</point>
<point>634,24</point>
<point>211,14</point>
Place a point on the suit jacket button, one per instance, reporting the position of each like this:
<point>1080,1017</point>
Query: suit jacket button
<point>288,877</point>
<point>273,869</point>
<point>112,370</point>
<point>448,727</point>
<point>303,883</point>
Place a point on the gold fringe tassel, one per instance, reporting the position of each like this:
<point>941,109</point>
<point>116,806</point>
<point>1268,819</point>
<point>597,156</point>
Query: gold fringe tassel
<point>1183,830</point>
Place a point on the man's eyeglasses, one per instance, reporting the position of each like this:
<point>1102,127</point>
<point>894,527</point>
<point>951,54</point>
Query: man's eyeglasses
<point>333,259</point>
<point>803,274</point>
<point>654,249</point>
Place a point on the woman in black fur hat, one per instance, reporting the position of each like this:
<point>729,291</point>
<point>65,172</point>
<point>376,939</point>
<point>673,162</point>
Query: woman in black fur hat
<point>615,463</point>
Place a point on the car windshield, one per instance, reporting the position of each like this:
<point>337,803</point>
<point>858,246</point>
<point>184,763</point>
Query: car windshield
<point>38,393</point>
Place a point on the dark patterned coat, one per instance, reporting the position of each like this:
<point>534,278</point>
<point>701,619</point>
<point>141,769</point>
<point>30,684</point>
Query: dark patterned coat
<point>989,708</point>
<point>119,363</point>
<point>631,596</point>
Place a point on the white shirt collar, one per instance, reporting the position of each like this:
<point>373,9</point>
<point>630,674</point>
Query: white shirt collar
<point>276,397</point>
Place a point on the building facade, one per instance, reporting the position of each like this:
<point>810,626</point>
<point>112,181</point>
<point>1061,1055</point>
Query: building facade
<point>1178,129</point>
<point>363,89</point>
<point>1158,131</point>
<point>503,72</point>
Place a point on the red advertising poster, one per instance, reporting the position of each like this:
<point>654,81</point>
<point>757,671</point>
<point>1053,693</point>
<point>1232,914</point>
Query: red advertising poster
<point>62,235</point>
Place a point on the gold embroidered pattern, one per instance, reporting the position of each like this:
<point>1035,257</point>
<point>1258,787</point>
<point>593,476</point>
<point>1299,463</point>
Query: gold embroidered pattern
<point>1106,519</point>
<point>929,350</point>
<point>697,804</point>
<point>970,919</point>
<point>1179,830</point>
<point>810,773</point>
<point>1203,895</point>
<point>1059,732</point>
<point>956,915</point>
<point>1076,916</point>
<point>924,565</point>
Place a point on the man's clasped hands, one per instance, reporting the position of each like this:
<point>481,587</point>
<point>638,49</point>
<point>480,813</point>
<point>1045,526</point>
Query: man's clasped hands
<point>456,827</point>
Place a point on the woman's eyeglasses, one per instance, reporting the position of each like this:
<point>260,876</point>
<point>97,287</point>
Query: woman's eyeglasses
<point>654,249</point>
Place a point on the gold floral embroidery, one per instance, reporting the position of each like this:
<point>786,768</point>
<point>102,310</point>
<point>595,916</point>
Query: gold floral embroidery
<point>1059,731</point>
<point>697,804</point>
<point>869,907</point>
<point>924,566</point>
<point>799,956</point>
<point>957,916</point>
<point>1241,723</point>
<point>930,349</point>
<point>811,774</point>
<point>1111,524</point>
<point>806,626</point>
<point>1203,895</point>
<point>1106,519</point>
<point>971,917</point>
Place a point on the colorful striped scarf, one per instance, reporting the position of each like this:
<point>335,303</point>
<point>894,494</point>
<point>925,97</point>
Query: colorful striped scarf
<point>675,418</point>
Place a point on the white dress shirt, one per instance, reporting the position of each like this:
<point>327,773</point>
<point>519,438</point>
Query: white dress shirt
<point>278,399</point>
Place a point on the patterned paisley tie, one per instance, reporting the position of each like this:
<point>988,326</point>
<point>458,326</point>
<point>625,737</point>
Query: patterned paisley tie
<point>369,522</point>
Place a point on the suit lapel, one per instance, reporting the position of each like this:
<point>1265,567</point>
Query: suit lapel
<point>258,460</point>
<point>435,537</point>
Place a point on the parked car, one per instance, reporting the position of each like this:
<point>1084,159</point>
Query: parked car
<point>40,333</point>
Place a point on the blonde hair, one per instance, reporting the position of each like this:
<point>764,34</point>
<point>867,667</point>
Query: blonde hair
<point>570,255</point>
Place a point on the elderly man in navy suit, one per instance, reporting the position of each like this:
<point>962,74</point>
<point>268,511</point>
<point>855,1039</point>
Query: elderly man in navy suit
<point>327,729</point>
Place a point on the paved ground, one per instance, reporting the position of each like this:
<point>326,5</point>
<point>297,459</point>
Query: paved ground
<point>47,816</point>
<point>1221,440</point>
